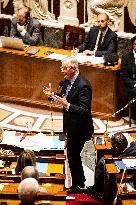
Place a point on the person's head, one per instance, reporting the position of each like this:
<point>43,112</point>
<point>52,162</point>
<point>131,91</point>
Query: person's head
<point>26,158</point>
<point>29,172</point>
<point>69,67</point>
<point>27,190</point>
<point>119,143</point>
<point>103,21</point>
<point>133,40</point>
<point>22,14</point>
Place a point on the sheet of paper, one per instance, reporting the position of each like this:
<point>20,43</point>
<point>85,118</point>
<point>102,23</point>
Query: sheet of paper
<point>94,60</point>
<point>42,167</point>
<point>1,187</point>
<point>35,142</point>
<point>129,162</point>
<point>1,163</point>
<point>56,56</point>
<point>129,187</point>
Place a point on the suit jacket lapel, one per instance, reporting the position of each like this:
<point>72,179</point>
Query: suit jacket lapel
<point>74,87</point>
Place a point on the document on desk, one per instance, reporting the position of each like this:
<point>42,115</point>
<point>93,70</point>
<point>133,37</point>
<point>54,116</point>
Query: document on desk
<point>131,163</point>
<point>34,142</point>
<point>56,56</point>
<point>93,59</point>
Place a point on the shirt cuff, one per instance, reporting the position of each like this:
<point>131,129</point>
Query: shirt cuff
<point>77,50</point>
<point>23,32</point>
<point>67,108</point>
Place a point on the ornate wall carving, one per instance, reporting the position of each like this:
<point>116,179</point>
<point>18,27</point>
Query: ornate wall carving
<point>90,8</point>
<point>39,8</point>
<point>114,10</point>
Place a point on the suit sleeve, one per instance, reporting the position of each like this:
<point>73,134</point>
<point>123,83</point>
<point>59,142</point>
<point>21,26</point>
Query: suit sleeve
<point>84,102</point>
<point>13,31</point>
<point>111,48</point>
<point>125,72</point>
<point>86,43</point>
<point>35,37</point>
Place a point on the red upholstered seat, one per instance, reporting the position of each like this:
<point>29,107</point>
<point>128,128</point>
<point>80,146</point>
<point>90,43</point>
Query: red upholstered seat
<point>81,199</point>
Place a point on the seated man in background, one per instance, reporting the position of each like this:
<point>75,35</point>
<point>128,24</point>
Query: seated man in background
<point>100,39</point>
<point>32,172</point>
<point>119,148</point>
<point>25,27</point>
<point>128,74</point>
<point>28,190</point>
<point>29,172</point>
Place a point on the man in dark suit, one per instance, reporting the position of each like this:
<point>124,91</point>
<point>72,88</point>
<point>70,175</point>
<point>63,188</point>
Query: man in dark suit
<point>76,96</point>
<point>119,149</point>
<point>25,27</point>
<point>100,39</point>
<point>128,72</point>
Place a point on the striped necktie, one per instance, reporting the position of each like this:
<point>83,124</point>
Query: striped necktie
<point>68,88</point>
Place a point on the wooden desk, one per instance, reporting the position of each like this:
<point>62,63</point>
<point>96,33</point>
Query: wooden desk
<point>23,77</point>
<point>53,168</point>
<point>11,188</point>
<point>9,193</point>
<point>114,175</point>
<point>38,202</point>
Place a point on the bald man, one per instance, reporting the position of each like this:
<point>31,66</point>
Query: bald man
<point>100,39</point>
<point>29,172</point>
<point>28,190</point>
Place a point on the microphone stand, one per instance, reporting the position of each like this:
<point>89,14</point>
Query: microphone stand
<point>118,190</point>
<point>106,131</point>
<point>52,129</point>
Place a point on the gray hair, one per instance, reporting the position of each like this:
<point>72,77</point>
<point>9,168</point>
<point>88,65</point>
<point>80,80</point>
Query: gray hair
<point>24,8</point>
<point>29,172</point>
<point>72,61</point>
<point>27,190</point>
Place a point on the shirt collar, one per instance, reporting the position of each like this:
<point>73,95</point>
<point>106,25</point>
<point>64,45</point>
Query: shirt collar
<point>104,32</point>
<point>134,55</point>
<point>72,80</point>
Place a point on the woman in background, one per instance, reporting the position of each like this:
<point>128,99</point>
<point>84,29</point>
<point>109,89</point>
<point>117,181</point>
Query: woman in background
<point>26,158</point>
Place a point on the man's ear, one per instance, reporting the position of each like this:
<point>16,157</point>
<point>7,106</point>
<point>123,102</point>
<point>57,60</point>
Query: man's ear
<point>109,22</point>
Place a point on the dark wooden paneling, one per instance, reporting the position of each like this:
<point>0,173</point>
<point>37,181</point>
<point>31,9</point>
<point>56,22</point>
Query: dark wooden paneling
<point>24,77</point>
<point>128,26</point>
<point>9,9</point>
<point>80,11</point>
